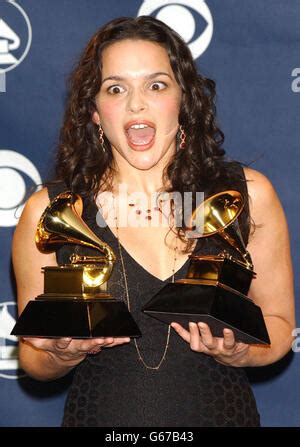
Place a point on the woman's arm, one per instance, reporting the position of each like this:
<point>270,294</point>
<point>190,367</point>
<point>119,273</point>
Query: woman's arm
<point>272,289</point>
<point>42,358</point>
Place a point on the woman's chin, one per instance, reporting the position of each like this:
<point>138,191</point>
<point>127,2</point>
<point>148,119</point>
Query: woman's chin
<point>143,160</point>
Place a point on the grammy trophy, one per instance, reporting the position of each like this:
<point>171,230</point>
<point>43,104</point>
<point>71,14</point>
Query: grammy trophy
<point>75,302</point>
<point>215,288</point>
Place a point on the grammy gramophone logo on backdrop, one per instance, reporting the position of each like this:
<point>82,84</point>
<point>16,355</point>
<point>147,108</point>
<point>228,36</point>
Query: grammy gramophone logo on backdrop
<point>15,38</point>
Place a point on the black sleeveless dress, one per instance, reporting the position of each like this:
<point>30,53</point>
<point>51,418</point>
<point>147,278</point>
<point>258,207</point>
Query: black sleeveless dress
<point>190,389</point>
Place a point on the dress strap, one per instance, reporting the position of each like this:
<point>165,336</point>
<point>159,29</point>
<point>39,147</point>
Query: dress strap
<point>55,188</point>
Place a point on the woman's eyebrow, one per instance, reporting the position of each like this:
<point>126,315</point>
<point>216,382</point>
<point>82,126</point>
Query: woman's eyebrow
<point>149,76</point>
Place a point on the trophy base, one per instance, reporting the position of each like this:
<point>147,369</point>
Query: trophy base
<point>218,306</point>
<point>222,269</point>
<point>76,318</point>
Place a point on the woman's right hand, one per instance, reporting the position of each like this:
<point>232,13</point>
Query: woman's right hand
<point>71,351</point>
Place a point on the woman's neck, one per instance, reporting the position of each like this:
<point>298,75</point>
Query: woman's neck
<point>137,180</point>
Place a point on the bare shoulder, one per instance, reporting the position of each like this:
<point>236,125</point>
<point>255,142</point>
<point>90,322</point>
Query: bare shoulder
<point>35,205</point>
<point>24,235</point>
<point>27,259</point>
<point>259,186</point>
<point>38,201</point>
<point>263,199</point>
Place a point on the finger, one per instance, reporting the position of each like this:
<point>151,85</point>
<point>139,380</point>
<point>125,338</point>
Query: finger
<point>206,336</point>
<point>121,340</point>
<point>101,342</point>
<point>195,338</point>
<point>33,341</point>
<point>94,350</point>
<point>181,331</point>
<point>229,339</point>
<point>109,342</point>
<point>62,343</point>
<point>39,342</point>
<point>87,345</point>
<point>118,341</point>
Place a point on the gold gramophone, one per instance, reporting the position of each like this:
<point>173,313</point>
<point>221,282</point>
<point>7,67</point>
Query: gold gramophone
<point>75,302</point>
<point>215,288</point>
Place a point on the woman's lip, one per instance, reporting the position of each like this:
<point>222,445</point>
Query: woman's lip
<point>140,147</point>
<point>132,123</point>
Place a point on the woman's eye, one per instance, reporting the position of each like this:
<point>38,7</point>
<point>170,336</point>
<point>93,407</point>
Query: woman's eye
<point>158,86</point>
<point>115,89</point>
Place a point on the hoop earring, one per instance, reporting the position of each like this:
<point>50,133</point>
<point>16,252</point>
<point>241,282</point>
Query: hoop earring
<point>182,138</point>
<point>101,137</point>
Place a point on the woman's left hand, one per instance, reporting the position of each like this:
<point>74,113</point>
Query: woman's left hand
<point>224,350</point>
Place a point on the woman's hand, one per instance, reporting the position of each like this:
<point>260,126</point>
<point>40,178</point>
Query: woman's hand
<point>72,351</point>
<point>224,350</point>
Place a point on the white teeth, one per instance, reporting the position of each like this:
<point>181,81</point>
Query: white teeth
<point>138,126</point>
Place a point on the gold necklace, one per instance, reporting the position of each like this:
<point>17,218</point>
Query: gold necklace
<point>156,367</point>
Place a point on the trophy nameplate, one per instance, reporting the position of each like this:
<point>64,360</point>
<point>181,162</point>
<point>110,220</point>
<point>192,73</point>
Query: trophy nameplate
<point>75,302</point>
<point>215,288</point>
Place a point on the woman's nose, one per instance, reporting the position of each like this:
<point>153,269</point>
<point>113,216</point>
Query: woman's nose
<point>136,101</point>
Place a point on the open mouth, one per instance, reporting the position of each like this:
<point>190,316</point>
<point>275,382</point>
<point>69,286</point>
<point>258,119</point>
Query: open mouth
<point>140,135</point>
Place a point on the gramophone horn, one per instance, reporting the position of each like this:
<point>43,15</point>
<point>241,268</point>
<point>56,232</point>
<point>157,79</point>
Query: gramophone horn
<point>61,223</point>
<point>218,215</point>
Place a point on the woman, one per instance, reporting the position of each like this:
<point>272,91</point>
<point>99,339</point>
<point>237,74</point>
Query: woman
<point>140,116</point>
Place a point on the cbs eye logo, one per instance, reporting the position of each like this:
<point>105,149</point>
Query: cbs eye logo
<point>17,175</point>
<point>185,17</point>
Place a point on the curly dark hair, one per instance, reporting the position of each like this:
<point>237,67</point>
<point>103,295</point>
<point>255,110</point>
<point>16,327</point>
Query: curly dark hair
<point>81,162</point>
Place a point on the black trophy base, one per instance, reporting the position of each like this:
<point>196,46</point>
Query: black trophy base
<point>76,318</point>
<point>215,305</point>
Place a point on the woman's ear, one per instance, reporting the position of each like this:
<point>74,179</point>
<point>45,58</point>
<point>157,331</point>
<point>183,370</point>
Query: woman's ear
<point>96,118</point>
